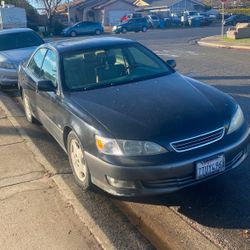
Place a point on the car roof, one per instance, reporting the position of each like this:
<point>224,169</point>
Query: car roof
<point>68,45</point>
<point>15,30</point>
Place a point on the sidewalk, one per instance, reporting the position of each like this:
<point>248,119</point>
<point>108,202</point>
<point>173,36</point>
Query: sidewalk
<point>32,212</point>
<point>217,42</point>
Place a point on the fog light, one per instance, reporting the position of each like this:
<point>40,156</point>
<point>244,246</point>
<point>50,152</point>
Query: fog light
<point>120,183</point>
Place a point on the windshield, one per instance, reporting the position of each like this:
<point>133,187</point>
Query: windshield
<point>19,40</point>
<point>111,66</point>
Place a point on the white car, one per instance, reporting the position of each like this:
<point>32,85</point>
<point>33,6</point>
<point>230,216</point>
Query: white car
<point>16,46</point>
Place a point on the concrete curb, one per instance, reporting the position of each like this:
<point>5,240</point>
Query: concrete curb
<point>225,46</point>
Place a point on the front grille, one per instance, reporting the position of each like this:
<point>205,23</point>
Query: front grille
<point>198,141</point>
<point>190,179</point>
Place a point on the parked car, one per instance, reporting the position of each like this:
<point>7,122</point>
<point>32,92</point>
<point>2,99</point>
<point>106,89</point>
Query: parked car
<point>133,24</point>
<point>234,19</point>
<point>84,28</point>
<point>128,121</point>
<point>172,21</point>
<point>16,46</point>
<point>199,20</point>
<point>153,21</point>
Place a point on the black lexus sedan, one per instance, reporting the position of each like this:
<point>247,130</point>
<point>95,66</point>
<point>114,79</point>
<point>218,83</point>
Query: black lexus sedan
<point>128,121</point>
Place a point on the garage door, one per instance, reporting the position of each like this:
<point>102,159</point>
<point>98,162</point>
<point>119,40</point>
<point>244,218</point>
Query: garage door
<point>116,15</point>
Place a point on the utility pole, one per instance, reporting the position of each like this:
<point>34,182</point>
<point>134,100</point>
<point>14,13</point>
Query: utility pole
<point>223,18</point>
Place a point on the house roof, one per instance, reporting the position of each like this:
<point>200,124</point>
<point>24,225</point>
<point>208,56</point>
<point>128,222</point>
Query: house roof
<point>95,4</point>
<point>141,3</point>
<point>74,3</point>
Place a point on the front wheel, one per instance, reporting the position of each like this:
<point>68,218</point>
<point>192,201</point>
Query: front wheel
<point>77,161</point>
<point>124,30</point>
<point>144,29</point>
<point>27,109</point>
<point>73,34</point>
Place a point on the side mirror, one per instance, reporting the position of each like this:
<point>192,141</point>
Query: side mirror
<point>45,86</point>
<point>171,63</point>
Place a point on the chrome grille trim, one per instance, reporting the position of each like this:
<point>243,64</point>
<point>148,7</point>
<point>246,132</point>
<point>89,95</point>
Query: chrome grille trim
<point>198,141</point>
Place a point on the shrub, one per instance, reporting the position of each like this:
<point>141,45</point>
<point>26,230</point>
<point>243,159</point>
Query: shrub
<point>245,11</point>
<point>57,28</point>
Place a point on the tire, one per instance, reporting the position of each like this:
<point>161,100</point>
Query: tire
<point>73,34</point>
<point>77,161</point>
<point>98,32</point>
<point>144,29</point>
<point>124,30</point>
<point>27,109</point>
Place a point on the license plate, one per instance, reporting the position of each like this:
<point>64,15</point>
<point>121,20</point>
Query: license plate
<point>210,166</point>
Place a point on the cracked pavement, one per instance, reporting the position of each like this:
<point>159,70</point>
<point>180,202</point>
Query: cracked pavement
<point>32,213</point>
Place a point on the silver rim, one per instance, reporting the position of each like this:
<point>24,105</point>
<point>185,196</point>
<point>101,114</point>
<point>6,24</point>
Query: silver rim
<point>98,32</point>
<point>27,108</point>
<point>77,158</point>
<point>73,34</point>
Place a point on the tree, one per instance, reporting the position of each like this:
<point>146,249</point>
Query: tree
<point>50,8</point>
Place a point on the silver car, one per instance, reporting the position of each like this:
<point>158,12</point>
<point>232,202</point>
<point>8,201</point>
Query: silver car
<point>16,46</point>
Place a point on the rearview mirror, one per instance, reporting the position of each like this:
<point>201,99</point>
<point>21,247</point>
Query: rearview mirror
<point>171,63</point>
<point>45,85</point>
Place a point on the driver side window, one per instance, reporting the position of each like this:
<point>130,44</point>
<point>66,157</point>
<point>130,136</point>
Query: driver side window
<point>49,68</point>
<point>36,62</point>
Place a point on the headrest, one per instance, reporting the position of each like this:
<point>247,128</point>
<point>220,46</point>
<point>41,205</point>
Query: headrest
<point>89,58</point>
<point>111,58</point>
<point>101,58</point>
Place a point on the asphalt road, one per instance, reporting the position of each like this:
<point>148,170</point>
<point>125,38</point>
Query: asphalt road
<point>219,208</point>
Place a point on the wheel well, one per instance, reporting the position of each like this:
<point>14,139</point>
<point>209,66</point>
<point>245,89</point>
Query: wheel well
<point>66,132</point>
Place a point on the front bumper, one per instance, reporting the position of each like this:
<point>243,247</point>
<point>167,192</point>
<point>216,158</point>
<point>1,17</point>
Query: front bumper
<point>160,179</point>
<point>8,77</point>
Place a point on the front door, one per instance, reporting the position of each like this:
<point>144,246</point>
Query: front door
<point>49,102</point>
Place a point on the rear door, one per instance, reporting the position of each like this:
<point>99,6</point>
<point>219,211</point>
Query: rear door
<point>132,25</point>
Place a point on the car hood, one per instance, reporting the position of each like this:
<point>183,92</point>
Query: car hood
<point>16,55</point>
<point>163,109</point>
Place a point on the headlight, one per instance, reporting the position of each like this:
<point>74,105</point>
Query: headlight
<point>236,121</point>
<point>8,65</point>
<point>115,27</point>
<point>127,147</point>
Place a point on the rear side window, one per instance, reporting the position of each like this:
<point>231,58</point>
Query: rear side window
<point>49,68</point>
<point>36,62</point>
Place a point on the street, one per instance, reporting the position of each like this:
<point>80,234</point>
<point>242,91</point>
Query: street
<point>219,208</point>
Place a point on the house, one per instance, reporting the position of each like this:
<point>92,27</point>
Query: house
<point>107,12</point>
<point>177,6</point>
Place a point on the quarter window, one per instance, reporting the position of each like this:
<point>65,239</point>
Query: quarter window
<point>49,68</point>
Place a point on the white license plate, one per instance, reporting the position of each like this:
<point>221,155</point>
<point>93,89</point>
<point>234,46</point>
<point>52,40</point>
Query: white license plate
<point>210,166</point>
